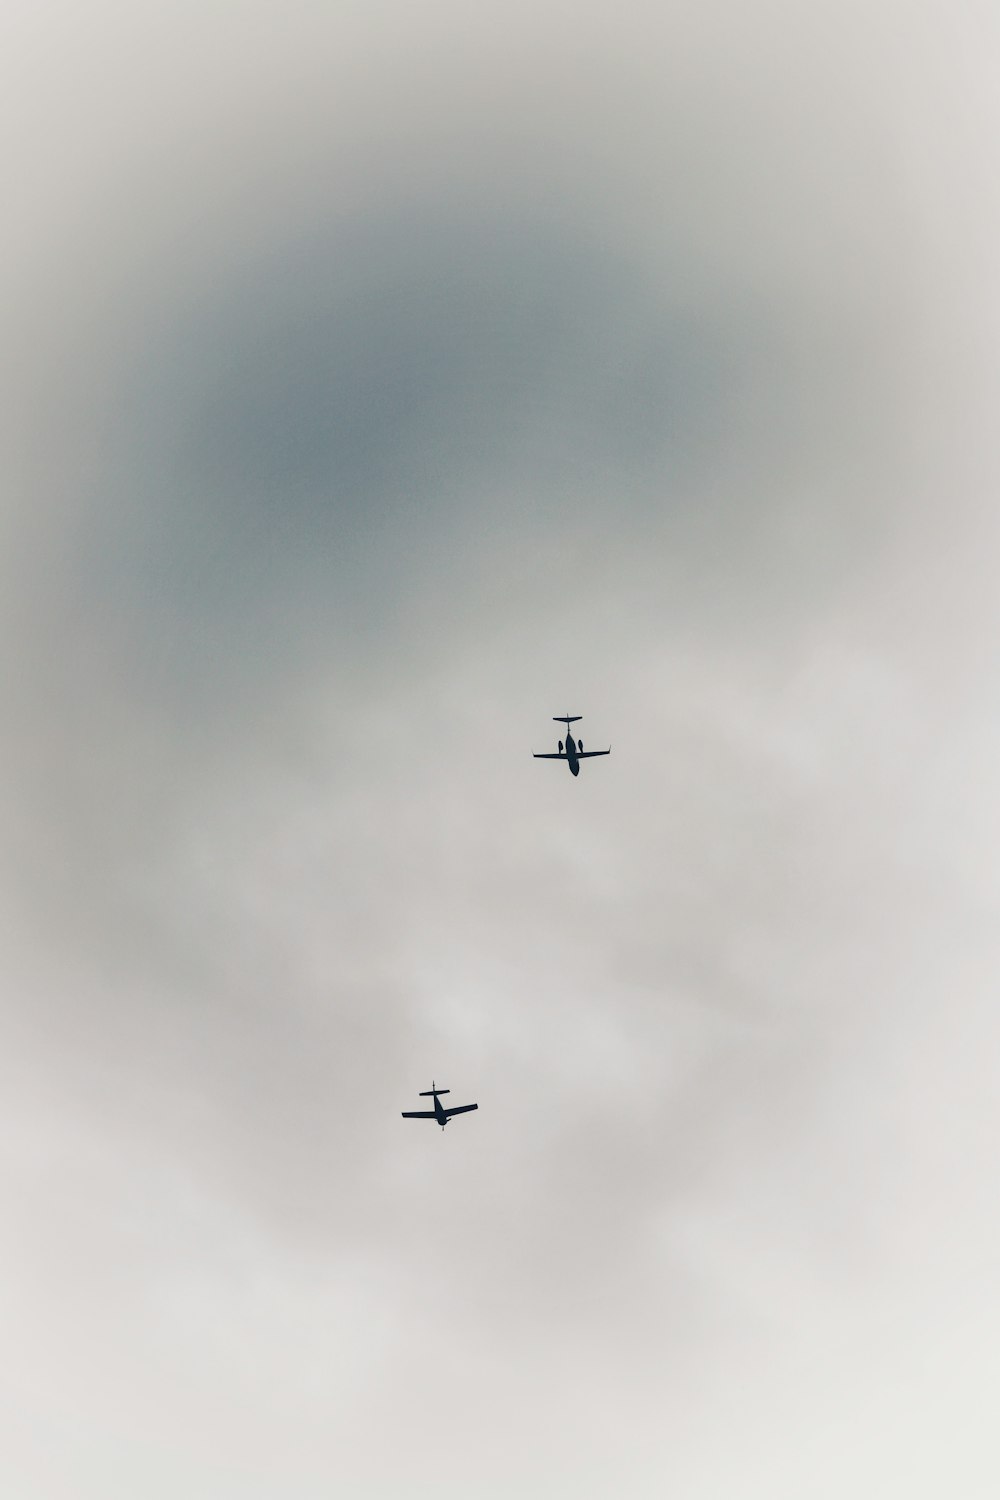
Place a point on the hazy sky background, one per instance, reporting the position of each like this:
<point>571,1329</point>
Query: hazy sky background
<point>380,380</point>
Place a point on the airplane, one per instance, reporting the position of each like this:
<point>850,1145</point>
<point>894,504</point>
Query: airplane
<point>574,751</point>
<point>438,1113</point>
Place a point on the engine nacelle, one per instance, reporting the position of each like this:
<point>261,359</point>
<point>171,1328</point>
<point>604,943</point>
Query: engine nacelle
<point>560,747</point>
<point>579,744</point>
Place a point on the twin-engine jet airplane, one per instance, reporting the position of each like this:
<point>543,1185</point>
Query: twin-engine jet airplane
<point>574,751</point>
<point>438,1113</point>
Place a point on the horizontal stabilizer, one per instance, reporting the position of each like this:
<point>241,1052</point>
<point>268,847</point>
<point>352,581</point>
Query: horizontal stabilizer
<point>566,718</point>
<point>433,1093</point>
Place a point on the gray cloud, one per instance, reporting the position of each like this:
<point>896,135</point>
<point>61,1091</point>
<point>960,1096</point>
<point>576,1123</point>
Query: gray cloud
<point>366,410</point>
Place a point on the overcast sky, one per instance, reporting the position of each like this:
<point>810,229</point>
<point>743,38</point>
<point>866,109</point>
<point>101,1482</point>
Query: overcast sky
<point>380,380</point>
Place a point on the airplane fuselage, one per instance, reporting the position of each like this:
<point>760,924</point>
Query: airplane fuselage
<point>571,759</point>
<point>439,1113</point>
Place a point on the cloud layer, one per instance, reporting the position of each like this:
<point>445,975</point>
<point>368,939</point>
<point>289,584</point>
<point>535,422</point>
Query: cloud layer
<point>376,388</point>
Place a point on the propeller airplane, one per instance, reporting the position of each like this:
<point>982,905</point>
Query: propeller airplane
<point>438,1113</point>
<point>574,751</point>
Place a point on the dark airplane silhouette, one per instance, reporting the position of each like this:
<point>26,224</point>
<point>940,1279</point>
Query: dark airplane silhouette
<point>574,752</point>
<point>438,1113</point>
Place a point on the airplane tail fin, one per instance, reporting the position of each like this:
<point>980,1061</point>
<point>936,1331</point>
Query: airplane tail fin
<point>566,718</point>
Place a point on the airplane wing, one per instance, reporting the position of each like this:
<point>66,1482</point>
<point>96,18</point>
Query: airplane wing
<point>418,1114</point>
<point>460,1109</point>
<point>586,754</point>
<point>553,756</point>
